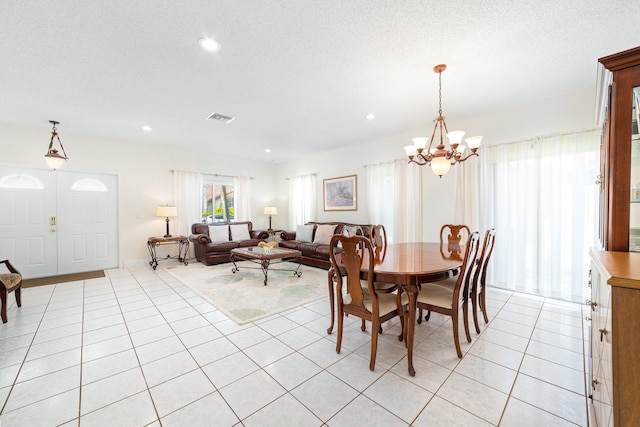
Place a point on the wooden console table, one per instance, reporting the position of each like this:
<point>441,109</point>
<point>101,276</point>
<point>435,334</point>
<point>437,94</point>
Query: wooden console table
<point>154,242</point>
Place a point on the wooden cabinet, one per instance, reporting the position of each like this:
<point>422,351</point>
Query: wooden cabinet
<point>620,151</point>
<point>615,338</point>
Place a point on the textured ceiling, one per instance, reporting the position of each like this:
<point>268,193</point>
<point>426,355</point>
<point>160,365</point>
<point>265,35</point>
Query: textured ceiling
<point>299,75</point>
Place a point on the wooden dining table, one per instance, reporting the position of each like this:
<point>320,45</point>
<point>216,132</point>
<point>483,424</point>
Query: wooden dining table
<point>408,265</point>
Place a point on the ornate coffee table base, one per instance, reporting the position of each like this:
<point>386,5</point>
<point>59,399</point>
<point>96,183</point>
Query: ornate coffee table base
<point>257,255</point>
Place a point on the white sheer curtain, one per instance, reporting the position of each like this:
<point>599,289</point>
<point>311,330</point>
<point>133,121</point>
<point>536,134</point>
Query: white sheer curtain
<point>408,201</point>
<point>188,199</point>
<point>467,194</point>
<point>302,200</point>
<point>242,198</point>
<point>540,197</point>
<point>380,193</point>
<point>394,192</point>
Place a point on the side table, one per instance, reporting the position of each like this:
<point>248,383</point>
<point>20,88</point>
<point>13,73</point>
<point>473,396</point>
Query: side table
<point>154,242</point>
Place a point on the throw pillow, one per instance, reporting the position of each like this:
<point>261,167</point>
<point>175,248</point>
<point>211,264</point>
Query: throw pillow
<point>304,233</point>
<point>239,232</point>
<point>219,233</point>
<point>324,233</point>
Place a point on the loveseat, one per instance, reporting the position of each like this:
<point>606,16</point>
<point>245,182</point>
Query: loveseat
<point>212,243</point>
<point>312,239</point>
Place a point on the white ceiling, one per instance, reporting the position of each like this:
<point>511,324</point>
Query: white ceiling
<point>298,75</point>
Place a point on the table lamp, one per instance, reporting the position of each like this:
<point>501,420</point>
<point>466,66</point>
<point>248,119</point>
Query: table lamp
<point>167,211</point>
<point>270,210</point>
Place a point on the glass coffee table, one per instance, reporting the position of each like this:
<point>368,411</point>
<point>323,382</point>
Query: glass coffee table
<point>266,257</point>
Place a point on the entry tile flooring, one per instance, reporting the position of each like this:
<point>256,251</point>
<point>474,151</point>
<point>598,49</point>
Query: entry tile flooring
<point>138,348</point>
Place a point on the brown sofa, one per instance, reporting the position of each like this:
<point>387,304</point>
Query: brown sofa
<point>316,254</point>
<point>217,250</point>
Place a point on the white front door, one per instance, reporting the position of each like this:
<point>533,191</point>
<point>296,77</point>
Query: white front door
<point>26,237</point>
<point>87,222</point>
<point>58,222</point>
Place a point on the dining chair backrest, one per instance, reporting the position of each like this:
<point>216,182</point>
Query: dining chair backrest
<point>456,234</point>
<point>480,274</point>
<point>464,278</point>
<point>478,288</point>
<point>379,241</point>
<point>351,257</point>
<point>378,235</point>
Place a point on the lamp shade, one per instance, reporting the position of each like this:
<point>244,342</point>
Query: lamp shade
<point>54,160</point>
<point>440,165</point>
<point>167,211</point>
<point>270,210</point>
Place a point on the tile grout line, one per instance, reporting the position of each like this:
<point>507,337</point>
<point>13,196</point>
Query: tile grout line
<point>35,333</point>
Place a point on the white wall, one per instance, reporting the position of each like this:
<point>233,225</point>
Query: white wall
<point>146,180</point>
<point>144,173</point>
<point>565,113</point>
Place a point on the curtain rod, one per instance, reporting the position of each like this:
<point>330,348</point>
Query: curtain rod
<point>212,174</point>
<point>383,163</point>
<point>535,139</point>
<point>300,176</point>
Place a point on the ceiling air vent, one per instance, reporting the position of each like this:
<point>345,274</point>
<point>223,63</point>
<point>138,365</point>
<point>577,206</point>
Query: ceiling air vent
<point>219,117</point>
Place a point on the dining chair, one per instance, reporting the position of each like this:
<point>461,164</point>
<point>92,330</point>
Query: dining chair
<point>478,293</point>
<point>9,282</point>
<point>451,247</point>
<point>449,296</point>
<point>359,297</point>
<point>457,234</point>
<point>378,238</point>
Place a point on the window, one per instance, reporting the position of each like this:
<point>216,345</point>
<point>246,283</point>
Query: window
<point>24,182</point>
<point>89,184</point>
<point>218,201</point>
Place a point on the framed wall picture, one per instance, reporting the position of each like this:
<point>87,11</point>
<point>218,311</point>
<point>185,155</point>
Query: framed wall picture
<point>341,194</point>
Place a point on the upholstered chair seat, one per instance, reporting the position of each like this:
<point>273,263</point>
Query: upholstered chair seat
<point>9,282</point>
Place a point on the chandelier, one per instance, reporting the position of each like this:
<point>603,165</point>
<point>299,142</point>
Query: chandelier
<point>439,158</point>
<point>53,158</point>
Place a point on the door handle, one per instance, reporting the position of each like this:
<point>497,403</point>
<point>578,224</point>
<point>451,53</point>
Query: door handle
<point>52,223</point>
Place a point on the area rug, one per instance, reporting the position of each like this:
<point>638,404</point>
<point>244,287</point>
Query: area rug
<point>243,297</point>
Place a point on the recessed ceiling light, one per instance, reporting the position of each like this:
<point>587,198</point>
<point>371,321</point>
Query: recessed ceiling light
<point>267,150</point>
<point>208,44</point>
<point>147,128</point>
<point>371,116</point>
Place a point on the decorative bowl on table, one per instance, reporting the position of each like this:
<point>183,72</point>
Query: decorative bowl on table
<point>267,247</point>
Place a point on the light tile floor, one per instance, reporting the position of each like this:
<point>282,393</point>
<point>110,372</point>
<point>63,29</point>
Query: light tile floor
<point>138,348</point>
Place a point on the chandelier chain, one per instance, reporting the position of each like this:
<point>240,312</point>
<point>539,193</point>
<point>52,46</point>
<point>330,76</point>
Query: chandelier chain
<point>440,94</point>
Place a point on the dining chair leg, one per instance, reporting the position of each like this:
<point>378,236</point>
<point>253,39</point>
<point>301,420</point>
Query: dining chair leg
<point>456,338</point>
<point>404,319</point>
<point>426,317</point>
<point>3,312</point>
<point>465,316</point>
<point>374,344</point>
<point>474,308</point>
<point>331,300</point>
<point>18,298</point>
<point>401,315</point>
<point>483,305</point>
<point>363,327</point>
<point>340,324</point>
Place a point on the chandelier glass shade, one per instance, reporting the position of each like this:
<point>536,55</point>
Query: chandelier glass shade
<point>425,151</point>
<point>54,159</point>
